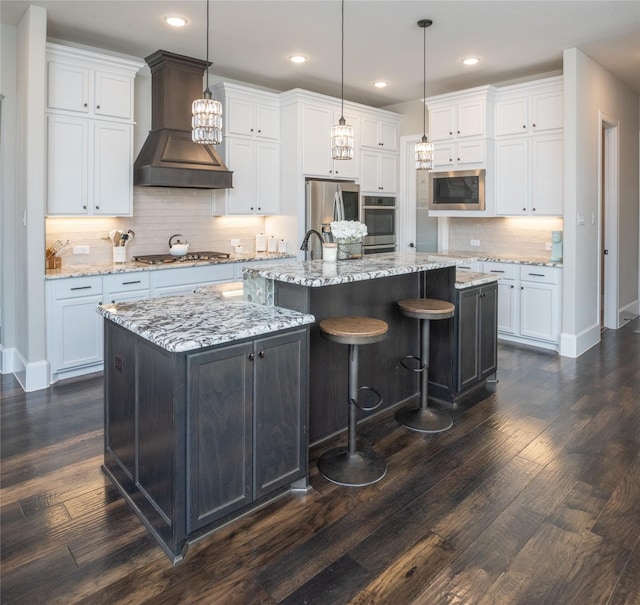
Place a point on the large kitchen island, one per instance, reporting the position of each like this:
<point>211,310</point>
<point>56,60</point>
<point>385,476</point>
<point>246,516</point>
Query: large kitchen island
<point>211,402</point>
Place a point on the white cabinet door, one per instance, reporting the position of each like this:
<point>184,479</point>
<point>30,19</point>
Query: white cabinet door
<point>316,140</point>
<point>512,177</point>
<point>388,173</point>
<point>470,152</point>
<point>547,111</point>
<point>507,306</point>
<point>512,116</point>
<point>538,318</point>
<point>441,123</point>
<point>379,172</point>
<point>378,133</point>
<point>267,122</point>
<point>113,97</point>
<point>240,117</point>
<point>67,165</point>
<point>547,175</point>
<point>78,332</point>
<point>67,87</point>
<point>112,169</point>
<point>249,118</point>
<point>267,194</point>
<point>470,119</point>
<point>240,159</point>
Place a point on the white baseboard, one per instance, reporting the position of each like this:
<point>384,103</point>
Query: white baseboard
<point>539,344</point>
<point>628,312</point>
<point>32,376</point>
<point>6,360</point>
<point>574,345</point>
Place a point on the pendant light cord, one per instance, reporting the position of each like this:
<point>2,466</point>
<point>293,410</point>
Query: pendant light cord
<point>207,45</point>
<point>424,82</point>
<point>342,66</point>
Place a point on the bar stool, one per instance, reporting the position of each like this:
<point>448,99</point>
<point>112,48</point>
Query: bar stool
<point>348,466</point>
<point>424,418</point>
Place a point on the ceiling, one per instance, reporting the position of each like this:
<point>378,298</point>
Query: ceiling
<point>251,40</point>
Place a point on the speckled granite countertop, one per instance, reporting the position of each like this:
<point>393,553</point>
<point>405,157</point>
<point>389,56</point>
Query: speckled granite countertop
<point>462,256</point>
<point>468,279</point>
<point>318,273</point>
<point>128,267</point>
<point>196,321</point>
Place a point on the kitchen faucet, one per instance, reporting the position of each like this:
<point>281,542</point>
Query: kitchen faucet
<point>305,241</point>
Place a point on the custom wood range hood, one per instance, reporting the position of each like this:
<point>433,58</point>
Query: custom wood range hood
<point>168,157</point>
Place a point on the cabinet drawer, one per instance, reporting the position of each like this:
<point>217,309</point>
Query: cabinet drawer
<point>78,286</point>
<point>505,270</point>
<point>535,273</point>
<point>124,282</point>
<point>194,275</point>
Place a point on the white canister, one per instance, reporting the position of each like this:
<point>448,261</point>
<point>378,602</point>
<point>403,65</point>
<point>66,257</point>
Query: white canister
<point>282,247</point>
<point>261,242</point>
<point>119,254</point>
<point>272,244</point>
<point>330,252</point>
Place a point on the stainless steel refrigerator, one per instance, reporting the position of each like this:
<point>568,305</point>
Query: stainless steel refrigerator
<point>328,201</point>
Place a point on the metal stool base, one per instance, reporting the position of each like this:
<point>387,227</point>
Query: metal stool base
<point>351,470</point>
<point>424,420</point>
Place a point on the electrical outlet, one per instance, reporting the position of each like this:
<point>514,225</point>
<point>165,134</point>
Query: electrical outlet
<point>547,246</point>
<point>81,249</point>
<point>475,242</point>
<point>235,241</point>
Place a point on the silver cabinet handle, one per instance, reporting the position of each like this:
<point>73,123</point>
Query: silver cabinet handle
<point>82,288</point>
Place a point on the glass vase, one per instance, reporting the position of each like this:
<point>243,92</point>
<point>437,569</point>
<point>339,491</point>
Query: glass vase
<point>350,248</point>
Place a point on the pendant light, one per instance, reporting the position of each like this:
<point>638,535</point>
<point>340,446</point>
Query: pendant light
<point>342,133</point>
<point>424,149</point>
<point>206,123</point>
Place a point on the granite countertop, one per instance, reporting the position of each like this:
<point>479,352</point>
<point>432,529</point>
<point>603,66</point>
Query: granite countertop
<point>208,318</point>
<point>318,273</point>
<point>463,256</point>
<point>84,270</point>
<point>468,279</point>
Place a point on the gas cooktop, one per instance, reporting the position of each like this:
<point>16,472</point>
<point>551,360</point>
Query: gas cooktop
<point>158,259</point>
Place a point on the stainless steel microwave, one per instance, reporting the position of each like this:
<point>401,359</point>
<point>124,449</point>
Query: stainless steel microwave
<point>457,190</point>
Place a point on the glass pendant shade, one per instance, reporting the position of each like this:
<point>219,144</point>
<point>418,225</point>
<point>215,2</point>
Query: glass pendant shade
<point>424,155</point>
<point>206,123</point>
<point>342,141</point>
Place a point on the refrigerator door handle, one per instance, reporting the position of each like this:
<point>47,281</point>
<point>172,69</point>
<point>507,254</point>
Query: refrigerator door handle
<point>338,206</point>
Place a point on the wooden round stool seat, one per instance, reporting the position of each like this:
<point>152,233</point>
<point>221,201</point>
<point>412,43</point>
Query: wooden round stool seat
<point>354,330</point>
<point>426,308</point>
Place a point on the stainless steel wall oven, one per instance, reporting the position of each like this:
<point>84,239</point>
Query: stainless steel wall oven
<point>379,215</point>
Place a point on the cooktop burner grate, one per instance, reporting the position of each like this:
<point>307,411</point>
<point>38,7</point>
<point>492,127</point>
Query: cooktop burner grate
<point>157,259</point>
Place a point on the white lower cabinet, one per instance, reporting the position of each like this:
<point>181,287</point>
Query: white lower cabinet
<point>74,329</point>
<point>529,303</point>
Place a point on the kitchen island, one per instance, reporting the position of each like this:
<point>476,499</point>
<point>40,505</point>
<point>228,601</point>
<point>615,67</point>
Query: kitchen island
<point>460,359</point>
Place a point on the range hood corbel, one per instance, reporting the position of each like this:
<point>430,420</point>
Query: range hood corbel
<point>168,157</point>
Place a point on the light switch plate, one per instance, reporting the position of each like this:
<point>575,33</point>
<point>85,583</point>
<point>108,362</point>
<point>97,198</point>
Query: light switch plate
<point>475,242</point>
<point>235,241</point>
<point>82,249</point>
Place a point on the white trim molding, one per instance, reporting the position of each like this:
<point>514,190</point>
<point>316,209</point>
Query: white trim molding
<point>574,345</point>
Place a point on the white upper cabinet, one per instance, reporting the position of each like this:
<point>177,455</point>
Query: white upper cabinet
<point>529,108</point>
<point>317,120</point>
<point>250,113</point>
<point>379,134</point>
<point>89,133</point>
<point>463,114</point>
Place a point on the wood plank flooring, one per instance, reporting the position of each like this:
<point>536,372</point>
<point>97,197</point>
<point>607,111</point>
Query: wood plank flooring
<point>533,497</point>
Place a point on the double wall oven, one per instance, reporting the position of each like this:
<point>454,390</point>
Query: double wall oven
<point>379,215</point>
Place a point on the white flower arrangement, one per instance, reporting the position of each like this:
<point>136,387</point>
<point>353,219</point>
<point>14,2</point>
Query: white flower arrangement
<point>348,230</point>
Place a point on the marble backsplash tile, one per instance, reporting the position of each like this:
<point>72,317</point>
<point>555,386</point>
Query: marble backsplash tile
<point>525,236</point>
<point>158,213</point>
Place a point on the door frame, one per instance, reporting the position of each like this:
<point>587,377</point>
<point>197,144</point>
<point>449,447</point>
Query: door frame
<point>608,182</point>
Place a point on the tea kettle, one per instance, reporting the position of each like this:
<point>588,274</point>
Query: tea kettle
<point>178,248</point>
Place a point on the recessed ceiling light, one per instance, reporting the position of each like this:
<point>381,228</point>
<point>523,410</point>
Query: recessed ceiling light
<point>176,21</point>
<point>298,59</point>
<point>381,84</point>
<point>470,60</point>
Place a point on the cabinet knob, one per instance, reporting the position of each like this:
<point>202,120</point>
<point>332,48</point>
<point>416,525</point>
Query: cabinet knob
<point>98,107</point>
<point>84,207</point>
<point>450,159</point>
<point>534,209</point>
<point>259,207</point>
<point>259,131</point>
<point>261,354</point>
<point>512,287</point>
<point>97,207</point>
<point>524,210</point>
<point>524,126</point>
<point>251,356</point>
<point>522,287</point>
<point>251,130</point>
<point>450,132</point>
<point>458,159</point>
<point>458,132</point>
<point>251,208</point>
<point>380,188</point>
<point>533,125</point>
<point>412,245</point>
<point>85,105</point>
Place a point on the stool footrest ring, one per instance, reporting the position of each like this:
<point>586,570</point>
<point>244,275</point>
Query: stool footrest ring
<point>369,408</point>
<point>405,361</point>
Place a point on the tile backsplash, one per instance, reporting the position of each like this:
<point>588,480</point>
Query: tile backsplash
<point>525,236</point>
<point>158,213</point>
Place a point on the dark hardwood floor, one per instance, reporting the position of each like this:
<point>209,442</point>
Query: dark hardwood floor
<point>533,497</point>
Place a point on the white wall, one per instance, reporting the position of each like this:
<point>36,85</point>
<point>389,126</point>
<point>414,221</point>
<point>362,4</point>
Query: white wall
<point>590,90</point>
<point>25,205</point>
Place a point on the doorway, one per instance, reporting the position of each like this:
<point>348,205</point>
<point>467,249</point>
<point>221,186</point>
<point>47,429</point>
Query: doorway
<point>608,223</point>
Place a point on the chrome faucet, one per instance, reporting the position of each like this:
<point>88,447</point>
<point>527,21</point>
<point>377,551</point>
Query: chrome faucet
<point>305,241</point>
